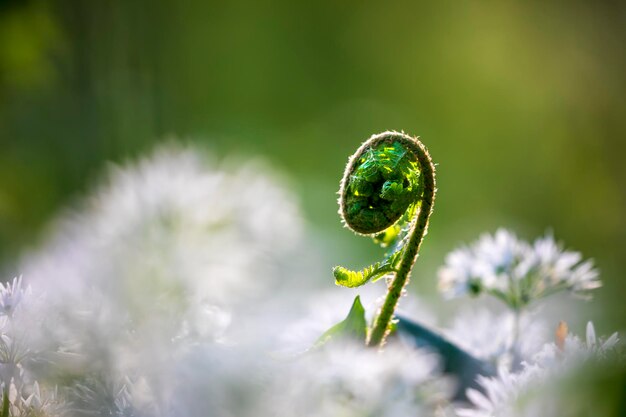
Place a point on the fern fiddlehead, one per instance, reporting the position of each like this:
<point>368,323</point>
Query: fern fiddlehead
<point>387,192</point>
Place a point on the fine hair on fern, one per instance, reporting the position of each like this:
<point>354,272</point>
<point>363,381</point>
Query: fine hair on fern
<point>387,192</point>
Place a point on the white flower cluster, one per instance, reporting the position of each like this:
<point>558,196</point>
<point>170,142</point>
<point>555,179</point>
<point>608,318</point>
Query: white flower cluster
<point>343,379</point>
<point>351,380</point>
<point>503,394</point>
<point>25,397</point>
<point>169,252</point>
<point>515,271</point>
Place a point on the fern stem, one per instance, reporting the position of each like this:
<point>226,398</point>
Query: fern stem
<point>382,322</point>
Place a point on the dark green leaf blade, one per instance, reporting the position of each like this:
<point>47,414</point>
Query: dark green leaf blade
<point>456,361</point>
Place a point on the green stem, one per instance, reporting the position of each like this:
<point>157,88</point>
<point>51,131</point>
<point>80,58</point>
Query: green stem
<point>515,352</point>
<point>382,322</point>
<point>5,402</point>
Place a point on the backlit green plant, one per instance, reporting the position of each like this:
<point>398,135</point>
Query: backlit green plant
<point>387,192</point>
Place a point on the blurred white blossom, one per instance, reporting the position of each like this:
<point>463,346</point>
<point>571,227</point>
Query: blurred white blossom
<point>170,227</point>
<point>515,271</point>
<point>490,336</point>
<point>504,393</point>
<point>17,329</point>
<point>168,253</point>
<point>573,350</point>
<point>29,400</point>
<point>11,295</point>
<point>352,380</point>
<point>339,379</point>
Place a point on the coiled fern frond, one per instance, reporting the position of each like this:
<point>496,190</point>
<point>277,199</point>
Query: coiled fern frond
<point>387,192</point>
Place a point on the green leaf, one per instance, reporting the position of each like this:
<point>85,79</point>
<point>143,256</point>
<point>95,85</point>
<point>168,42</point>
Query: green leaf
<point>345,277</point>
<point>352,279</point>
<point>353,327</point>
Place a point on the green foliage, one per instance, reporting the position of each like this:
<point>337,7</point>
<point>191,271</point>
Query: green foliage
<point>387,192</point>
<point>347,278</point>
<point>380,188</point>
<point>5,403</point>
<point>353,327</point>
<point>389,236</point>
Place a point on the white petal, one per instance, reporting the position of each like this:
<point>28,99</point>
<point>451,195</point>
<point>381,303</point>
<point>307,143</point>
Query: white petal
<point>610,342</point>
<point>591,335</point>
<point>478,399</point>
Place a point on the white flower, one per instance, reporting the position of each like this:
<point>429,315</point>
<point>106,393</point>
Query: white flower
<point>490,336</point>
<point>27,400</point>
<point>11,295</point>
<point>563,268</point>
<point>348,380</point>
<point>352,380</point>
<point>574,350</point>
<point>170,236</point>
<point>502,394</point>
<point>486,265</point>
<point>514,271</point>
<point>16,328</point>
<point>170,253</point>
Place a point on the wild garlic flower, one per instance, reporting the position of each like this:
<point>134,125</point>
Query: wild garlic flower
<point>490,336</point>
<point>515,271</point>
<point>167,254</point>
<point>25,396</point>
<point>506,394</point>
<point>169,238</point>
<point>16,331</point>
<point>29,400</point>
<point>11,295</point>
<point>346,380</point>
<point>352,380</point>
<point>500,393</point>
<point>574,350</point>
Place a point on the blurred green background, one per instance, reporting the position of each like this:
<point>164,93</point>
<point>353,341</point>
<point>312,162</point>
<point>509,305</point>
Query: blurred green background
<point>522,105</point>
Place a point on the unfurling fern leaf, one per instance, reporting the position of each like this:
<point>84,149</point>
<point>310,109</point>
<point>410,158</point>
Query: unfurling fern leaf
<point>387,192</point>
<point>351,279</point>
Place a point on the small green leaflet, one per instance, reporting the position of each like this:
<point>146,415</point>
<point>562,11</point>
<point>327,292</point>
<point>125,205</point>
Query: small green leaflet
<point>347,278</point>
<point>351,279</point>
<point>353,327</point>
